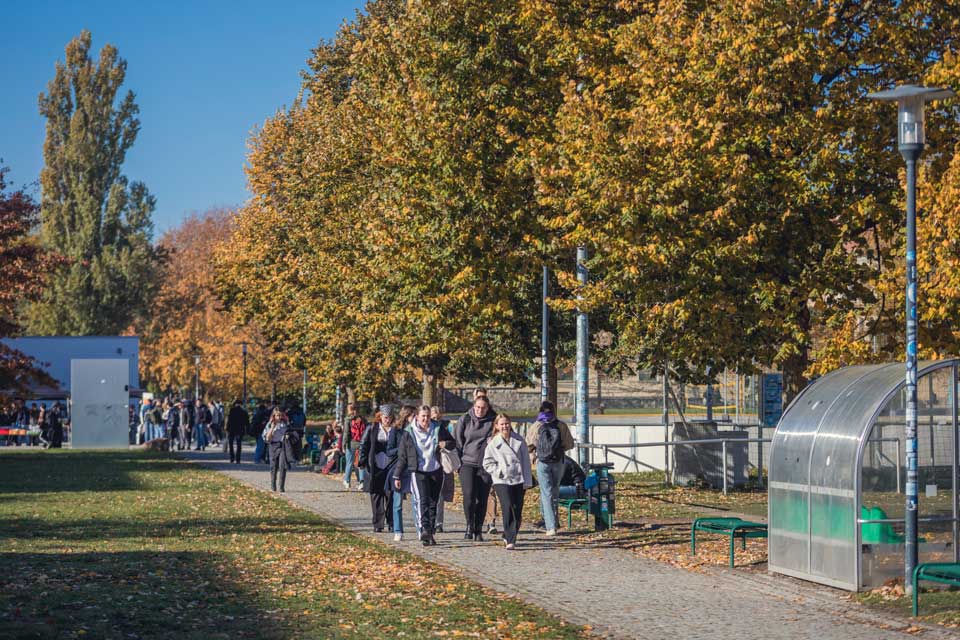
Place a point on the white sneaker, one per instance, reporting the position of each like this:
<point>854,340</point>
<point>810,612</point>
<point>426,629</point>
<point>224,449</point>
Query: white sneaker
<point>510,547</point>
<point>346,483</point>
<point>398,537</point>
<point>551,532</point>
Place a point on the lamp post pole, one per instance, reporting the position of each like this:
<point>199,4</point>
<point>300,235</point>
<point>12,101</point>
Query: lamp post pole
<point>583,359</point>
<point>243,346</point>
<point>196,380</point>
<point>304,391</point>
<point>545,338</point>
<point>911,140</point>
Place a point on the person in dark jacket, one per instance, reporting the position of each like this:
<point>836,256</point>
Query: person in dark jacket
<point>573,476</point>
<point>259,422</point>
<point>471,434</point>
<point>394,440</point>
<point>203,420</point>
<point>278,436</point>
<point>419,452</point>
<point>238,421</point>
<point>55,426</point>
<point>376,461</point>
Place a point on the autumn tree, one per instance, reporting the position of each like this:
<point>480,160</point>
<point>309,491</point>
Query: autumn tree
<point>187,319</point>
<point>24,268</point>
<point>395,221</point>
<point>90,212</point>
<point>721,161</point>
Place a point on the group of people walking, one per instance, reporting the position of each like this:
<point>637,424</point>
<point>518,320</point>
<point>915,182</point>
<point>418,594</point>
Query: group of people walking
<point>407,452</point>
<point>413,452</point>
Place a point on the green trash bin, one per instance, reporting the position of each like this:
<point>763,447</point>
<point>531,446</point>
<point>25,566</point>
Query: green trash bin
<point>601,494</point>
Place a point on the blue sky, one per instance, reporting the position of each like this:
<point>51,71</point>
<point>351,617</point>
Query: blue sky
<point>205,74</point>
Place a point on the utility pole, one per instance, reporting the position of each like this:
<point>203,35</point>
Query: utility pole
<point>196,385</point>
<point>583,360</point>
<point>243,346</point>
<point>545,338</point>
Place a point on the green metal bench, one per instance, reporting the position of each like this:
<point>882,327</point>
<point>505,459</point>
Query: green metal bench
<point>733,527</point>
<point>581,504</point>
<point>942,572</point>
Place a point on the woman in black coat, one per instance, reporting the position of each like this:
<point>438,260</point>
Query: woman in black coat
<point>377,459</point>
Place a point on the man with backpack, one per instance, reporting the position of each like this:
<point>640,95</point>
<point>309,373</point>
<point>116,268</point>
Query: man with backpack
<point>548,440</point>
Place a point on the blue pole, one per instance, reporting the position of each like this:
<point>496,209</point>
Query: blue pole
<point>337,407</point>
<point>583,359</point>
<point>545,338</point>
<point>911,153</point>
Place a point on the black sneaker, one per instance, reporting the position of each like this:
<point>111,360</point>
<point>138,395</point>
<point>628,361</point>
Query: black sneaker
<point>439,528</point>
<point>468,536</point>
<point>433,541</point>
<point>478,537</point>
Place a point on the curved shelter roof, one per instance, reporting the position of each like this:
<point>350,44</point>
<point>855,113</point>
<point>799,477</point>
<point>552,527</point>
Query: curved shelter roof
<point>814,471</point>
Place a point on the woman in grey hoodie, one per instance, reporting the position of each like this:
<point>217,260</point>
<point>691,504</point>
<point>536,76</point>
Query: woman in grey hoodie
<point>471,434</point>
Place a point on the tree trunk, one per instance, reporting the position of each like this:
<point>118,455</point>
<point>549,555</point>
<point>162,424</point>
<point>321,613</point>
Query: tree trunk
<point>793,367</point>
<point>441,396</point>
<point>351,396</point>
<point>429,395</point>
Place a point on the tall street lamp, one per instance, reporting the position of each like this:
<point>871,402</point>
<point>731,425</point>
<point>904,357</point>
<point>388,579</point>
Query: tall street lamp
<point>243,346</point>
<point>196,381</point>
<point>545,337</point>
<point>911,140</point>
<point>583,361</point>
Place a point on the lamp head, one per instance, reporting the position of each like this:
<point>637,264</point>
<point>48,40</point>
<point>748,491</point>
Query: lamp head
<point>911,100</point>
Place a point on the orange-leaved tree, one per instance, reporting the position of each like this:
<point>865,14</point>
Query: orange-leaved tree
<point>187,319</point>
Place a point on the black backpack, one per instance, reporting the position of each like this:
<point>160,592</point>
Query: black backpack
<point>549,443</point>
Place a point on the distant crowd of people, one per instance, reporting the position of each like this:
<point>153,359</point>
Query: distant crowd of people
<point>46,426</point>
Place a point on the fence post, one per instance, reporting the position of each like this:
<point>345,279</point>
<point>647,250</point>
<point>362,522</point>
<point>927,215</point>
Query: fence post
<point>723,446</point>
<point>898,464</point>
<point>666,423</point>
<point>760,454</point>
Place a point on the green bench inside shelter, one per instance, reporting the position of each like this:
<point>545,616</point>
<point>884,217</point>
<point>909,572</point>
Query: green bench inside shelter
<point>733,527</point>
<point>942,572</point>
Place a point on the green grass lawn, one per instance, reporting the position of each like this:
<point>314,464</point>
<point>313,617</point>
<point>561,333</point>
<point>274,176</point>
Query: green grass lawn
<point>137,545</point>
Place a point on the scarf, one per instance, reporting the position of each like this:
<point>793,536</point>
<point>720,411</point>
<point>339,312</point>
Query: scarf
<point>546,417</point>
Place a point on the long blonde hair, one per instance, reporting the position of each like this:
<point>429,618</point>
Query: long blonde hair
<point>274,423</point>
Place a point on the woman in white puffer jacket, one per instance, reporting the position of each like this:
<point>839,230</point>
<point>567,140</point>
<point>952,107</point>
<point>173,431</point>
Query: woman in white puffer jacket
<point>507,460</point>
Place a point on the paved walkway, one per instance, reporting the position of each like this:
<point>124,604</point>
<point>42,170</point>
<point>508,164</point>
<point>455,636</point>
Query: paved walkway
<point>618,593</point>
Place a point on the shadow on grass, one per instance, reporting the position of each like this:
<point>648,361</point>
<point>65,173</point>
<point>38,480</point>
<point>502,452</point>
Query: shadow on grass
<point>76,530</point>
<point>129,595</point>
<point>44,471</point>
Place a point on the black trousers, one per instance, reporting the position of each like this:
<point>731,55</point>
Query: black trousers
<point>379,501</point>
<point>426,486</point>
<point>475,484</point>
<point>511,506</point>
<point>278,466</point>
<point>238,439</point>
